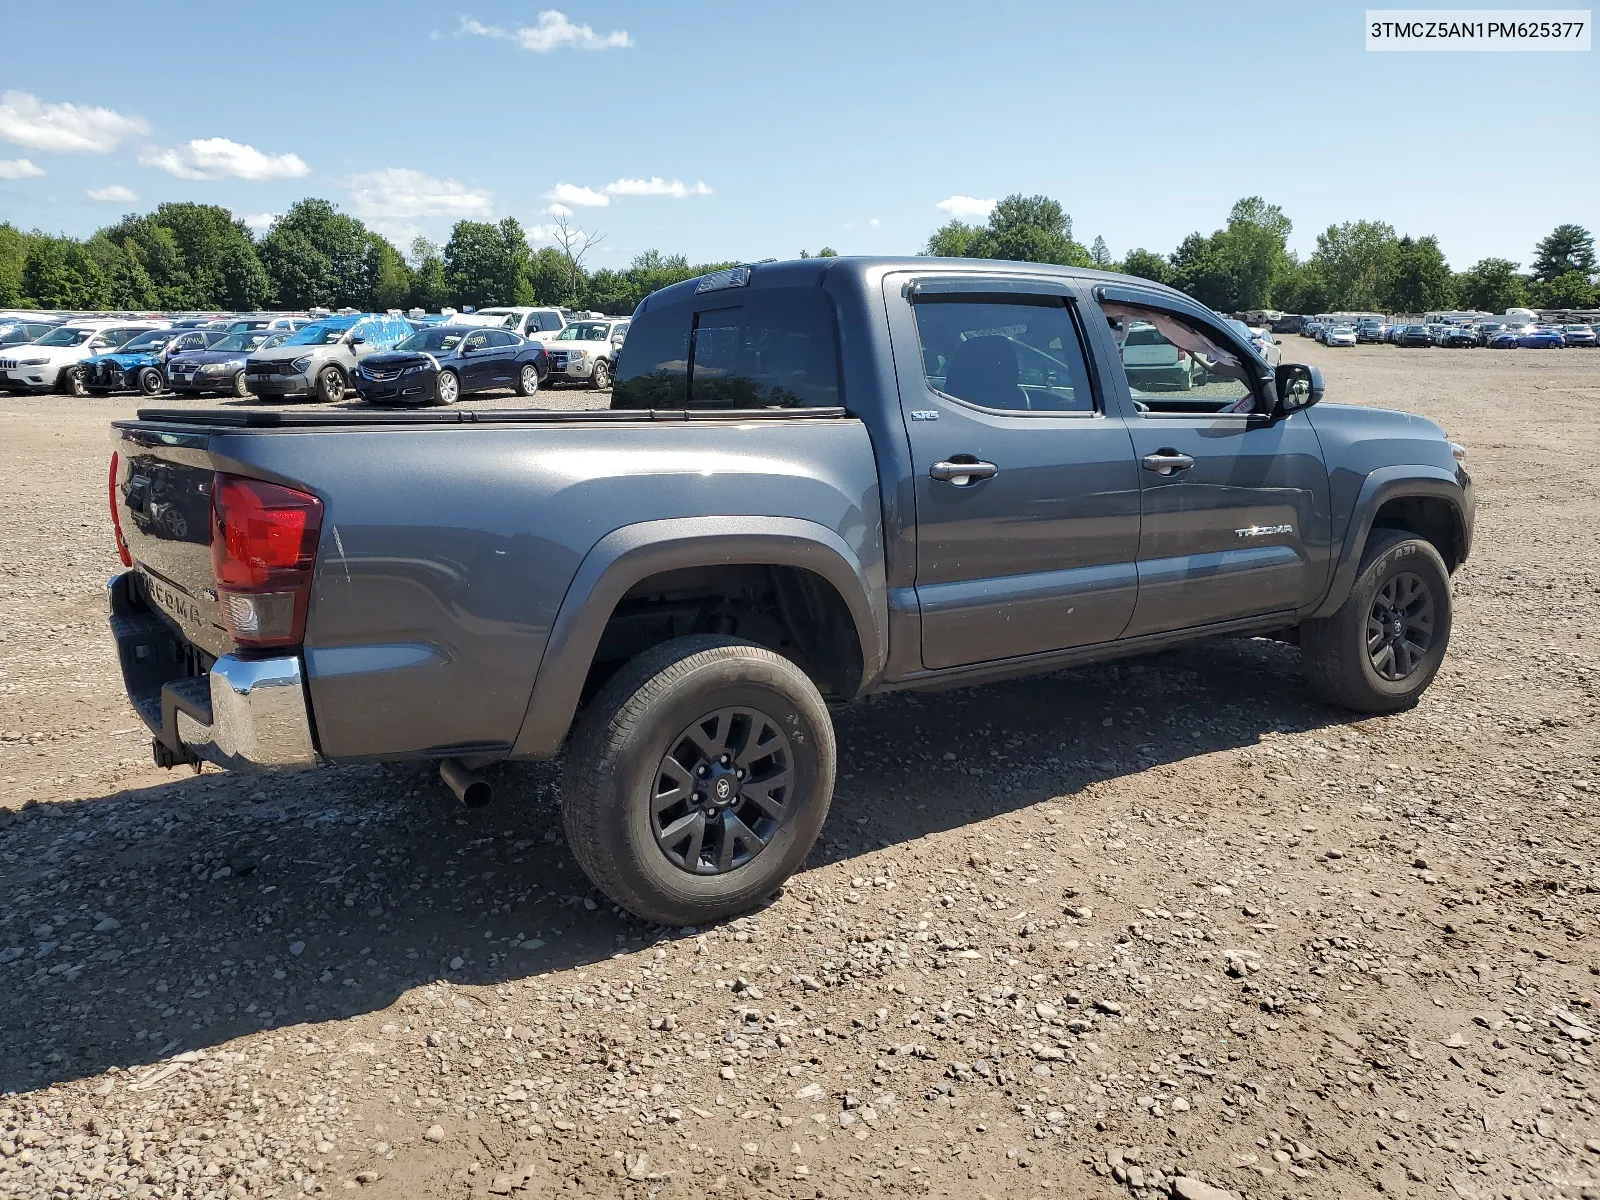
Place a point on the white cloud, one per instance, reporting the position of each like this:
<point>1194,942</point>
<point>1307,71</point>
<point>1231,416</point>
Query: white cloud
<point>66,128</point>
<point>399,193</point>
<point>966,206</point>
<point>656,186</point>
<point>553,32</point>
<point>114,194</point>
<point>559,210</point>
<point>572,194</point>
<point>873,222</point>
<point>19,168</point>
<point>220,158</point>
<point>260,222</point>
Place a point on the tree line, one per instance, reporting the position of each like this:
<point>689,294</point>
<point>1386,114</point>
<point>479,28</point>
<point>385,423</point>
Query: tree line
<point>186,256</point>
<point>1246,265</point>
<point>199,257</point>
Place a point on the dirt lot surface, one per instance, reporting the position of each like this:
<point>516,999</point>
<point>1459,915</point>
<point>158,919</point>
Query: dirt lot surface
<point>1161,927</point>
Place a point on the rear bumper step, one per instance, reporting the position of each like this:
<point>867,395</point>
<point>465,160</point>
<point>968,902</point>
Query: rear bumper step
<point>242,714</point>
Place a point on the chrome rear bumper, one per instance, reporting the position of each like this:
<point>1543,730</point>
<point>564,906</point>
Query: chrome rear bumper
<point>259,719</point>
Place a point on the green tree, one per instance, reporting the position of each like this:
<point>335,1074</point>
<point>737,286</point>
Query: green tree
<point>954,239</point>
<point>825,252</point>
<point>336,272</point>
<point>13,254</point>
<point>547,272</point>
<point>1099,254</point>
<point>1572,290</point>
<point>1492,285</point>
<point>1238,266</point>
<point>1146,264</point>
<point>390,279</point>
<point>1356,260</point>
<point>1421,280</point>
<point>1304,289</point>
<point>430,289</point>
<point>61,273</point>
<point>1020,228</point>
<point>1565,250</point>
<point>488,264</point>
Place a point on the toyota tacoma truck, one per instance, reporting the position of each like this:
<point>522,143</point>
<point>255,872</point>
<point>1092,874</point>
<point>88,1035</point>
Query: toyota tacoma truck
<point>816,480</point>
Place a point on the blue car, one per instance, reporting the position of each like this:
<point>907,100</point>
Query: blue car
<point>1505,339</point>
<point>140,364</point>
<point>221,367</point>
<point>1541,339</point>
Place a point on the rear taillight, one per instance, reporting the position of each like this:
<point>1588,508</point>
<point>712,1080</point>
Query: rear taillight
<point>263,549</point>
<point>116,520</point>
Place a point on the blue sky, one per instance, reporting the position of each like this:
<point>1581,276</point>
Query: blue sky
<point>742,131</point>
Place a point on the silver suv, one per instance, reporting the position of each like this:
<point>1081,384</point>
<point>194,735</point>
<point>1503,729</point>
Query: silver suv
<point>586,351</point>
<point>320,359</point>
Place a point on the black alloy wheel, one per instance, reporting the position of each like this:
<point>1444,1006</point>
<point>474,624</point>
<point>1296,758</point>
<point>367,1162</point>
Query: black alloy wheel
<point>1400,626</point>
<point>150,382</point>
<point>721,791</point>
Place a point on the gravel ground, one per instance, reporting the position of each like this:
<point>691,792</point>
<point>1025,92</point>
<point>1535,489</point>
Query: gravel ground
<point>1161,927</point>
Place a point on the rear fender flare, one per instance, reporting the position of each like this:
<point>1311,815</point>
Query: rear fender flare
<point>1381,486</point>
<point>632,553</point>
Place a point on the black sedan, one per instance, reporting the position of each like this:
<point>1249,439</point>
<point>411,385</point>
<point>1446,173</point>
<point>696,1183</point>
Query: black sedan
<point>1413,335</point>
<point>1457,337</point>
<point>442,363</point>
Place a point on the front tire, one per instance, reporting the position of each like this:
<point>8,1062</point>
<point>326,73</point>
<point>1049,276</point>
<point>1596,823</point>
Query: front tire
<point>1381,649</point>
<point>698,779</point>
<point>600,380</point>
<point>447,388</point>
<point>330,385</point>
<point>527,380</point>
<point>241,388</point>
<point>72,382</point>
<point>149,382</point>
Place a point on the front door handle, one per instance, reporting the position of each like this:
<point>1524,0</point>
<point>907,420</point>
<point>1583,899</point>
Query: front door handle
<point>962,470</point>
<point>1167,461</point>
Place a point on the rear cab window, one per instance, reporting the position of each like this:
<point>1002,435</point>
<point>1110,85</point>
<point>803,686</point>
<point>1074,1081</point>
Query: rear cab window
<point>772,347</point>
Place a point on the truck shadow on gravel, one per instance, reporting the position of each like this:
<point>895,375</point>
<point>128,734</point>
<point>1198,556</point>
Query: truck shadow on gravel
<point>142,924</point>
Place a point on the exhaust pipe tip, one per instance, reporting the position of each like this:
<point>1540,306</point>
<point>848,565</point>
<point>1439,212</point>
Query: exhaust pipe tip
<point>471,788</point>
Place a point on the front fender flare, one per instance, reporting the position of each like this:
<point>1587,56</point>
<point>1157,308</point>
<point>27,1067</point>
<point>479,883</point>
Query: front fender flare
<point>632,553</point>
<point>1381,486</point>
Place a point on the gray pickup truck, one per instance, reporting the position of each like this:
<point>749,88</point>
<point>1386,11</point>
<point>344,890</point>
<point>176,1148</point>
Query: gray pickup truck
<point>816,480</point>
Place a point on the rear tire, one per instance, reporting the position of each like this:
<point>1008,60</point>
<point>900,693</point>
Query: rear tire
<point>601,379</point>
<point>1354,658</point>
<point>528,380</point>
<point>241,388</point>
<point>616,792</point>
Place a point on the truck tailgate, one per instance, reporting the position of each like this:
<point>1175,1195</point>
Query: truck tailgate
<point>162,493</point>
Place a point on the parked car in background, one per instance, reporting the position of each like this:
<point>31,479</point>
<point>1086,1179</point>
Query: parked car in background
<point>141,362</point>
<point>320,359</point>
<point>1339,335</point>
<point>1288,323</point>
<point>1260,340</point>
<point>442,363</point>
<point>220,367</point>
<point>1151,361</point>
<point>1541,339</point>
<point>537,324</point>
<point>1413,335</point>
<point>1369,331</point>
<point>1578,335</point>
<point>18,333</point>
<point>54,362</point>
<point>1311,329</point>
<point>1505,339</point>
<point>289,324</point>
<point>1458,337</point>
<point>586,351</point>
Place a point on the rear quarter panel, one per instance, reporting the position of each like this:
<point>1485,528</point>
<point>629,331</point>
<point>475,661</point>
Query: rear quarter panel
<point>447,551</point>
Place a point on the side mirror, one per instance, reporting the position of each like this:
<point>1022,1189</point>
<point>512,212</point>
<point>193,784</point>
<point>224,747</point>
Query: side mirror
<point>1299,386</point>
<point>358,341</point>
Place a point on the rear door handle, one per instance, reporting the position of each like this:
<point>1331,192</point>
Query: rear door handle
<point>1167,461</point>
<point>962,471</point>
